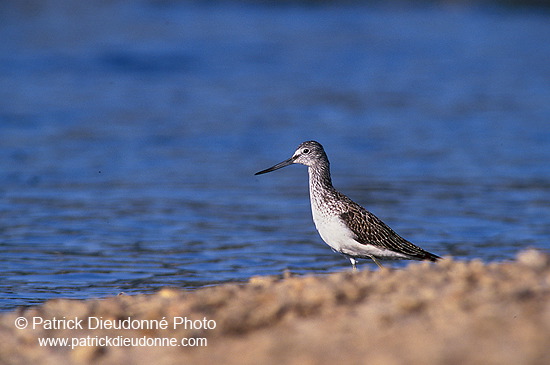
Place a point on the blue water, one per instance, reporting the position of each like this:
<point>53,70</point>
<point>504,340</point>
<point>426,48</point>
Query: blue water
<point>130,133</point>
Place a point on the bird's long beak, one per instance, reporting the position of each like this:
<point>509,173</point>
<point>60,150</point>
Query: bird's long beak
<point>280,165</point>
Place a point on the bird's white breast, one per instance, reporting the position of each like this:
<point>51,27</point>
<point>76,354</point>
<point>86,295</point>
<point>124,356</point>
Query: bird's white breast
<point>331,229</point>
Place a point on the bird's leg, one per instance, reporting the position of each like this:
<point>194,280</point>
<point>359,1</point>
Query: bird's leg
<point>376,262</point>
<point>353,263</point>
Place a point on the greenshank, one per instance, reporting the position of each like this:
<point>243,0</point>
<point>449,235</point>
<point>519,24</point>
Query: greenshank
<point>344,225</point>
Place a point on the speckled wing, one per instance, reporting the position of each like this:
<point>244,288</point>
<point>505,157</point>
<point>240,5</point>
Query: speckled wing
<point>369,229</point>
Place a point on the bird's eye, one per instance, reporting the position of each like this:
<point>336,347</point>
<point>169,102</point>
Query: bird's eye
<point>305,151</point>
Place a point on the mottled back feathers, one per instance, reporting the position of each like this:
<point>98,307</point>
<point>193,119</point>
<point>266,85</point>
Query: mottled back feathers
<point>369,229</point>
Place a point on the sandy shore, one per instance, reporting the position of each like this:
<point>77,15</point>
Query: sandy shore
<point>447,313</point>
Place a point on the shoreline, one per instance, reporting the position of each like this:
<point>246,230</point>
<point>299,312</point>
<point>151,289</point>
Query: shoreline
<point>448,312</point>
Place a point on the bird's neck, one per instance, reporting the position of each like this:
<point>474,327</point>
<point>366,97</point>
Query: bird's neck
<point>320,182</point>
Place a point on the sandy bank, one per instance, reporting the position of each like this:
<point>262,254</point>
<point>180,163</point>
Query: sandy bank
<point>446,313</point>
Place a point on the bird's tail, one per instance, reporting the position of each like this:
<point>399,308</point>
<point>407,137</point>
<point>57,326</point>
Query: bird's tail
<point>431,257</point>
